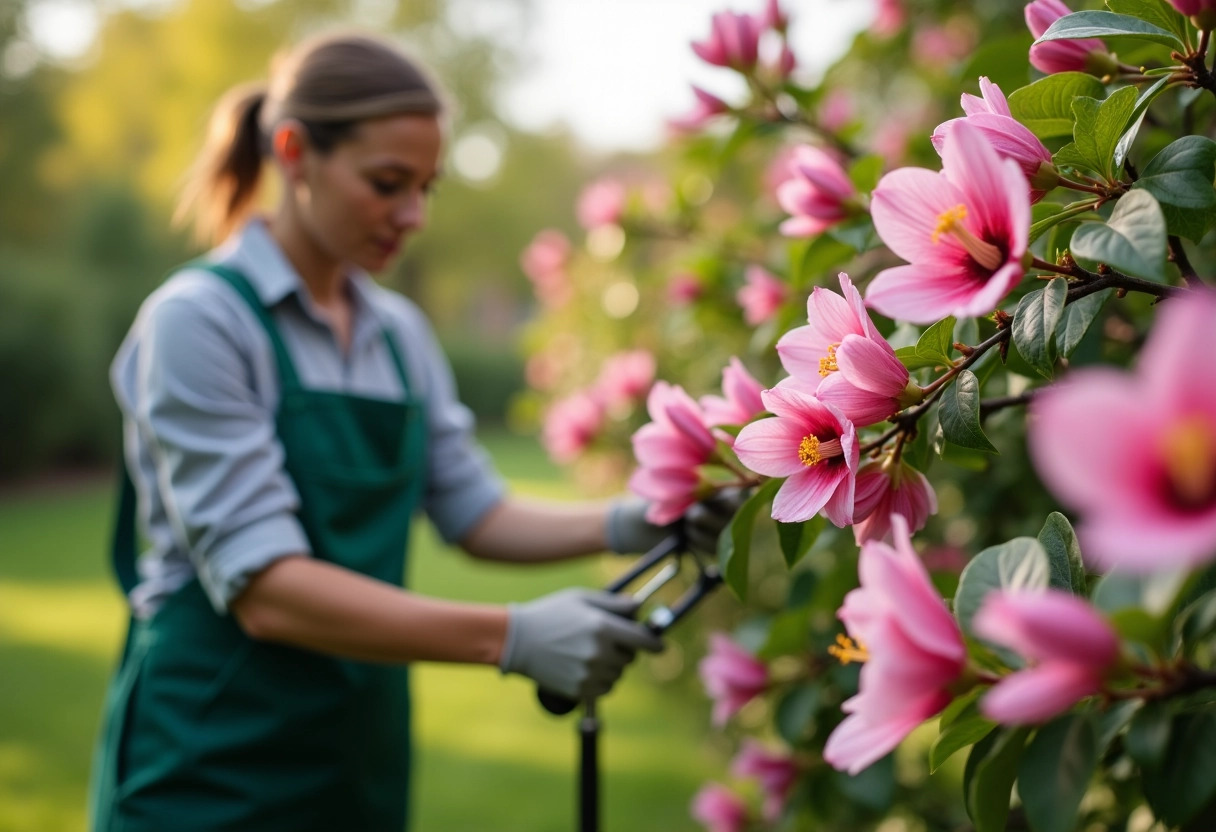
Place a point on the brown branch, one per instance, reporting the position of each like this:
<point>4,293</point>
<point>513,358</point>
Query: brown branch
<point>1178,256</point>
<point>990,406</point>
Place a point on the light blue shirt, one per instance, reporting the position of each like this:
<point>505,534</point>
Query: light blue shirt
<point>198,387</point>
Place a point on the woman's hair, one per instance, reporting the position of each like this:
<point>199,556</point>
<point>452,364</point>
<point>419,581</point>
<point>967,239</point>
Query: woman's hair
<point>329,84</point>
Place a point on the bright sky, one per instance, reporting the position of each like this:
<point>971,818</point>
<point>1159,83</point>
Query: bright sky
<point>613,70</point>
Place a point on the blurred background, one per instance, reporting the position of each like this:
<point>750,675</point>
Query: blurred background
<point>102,106</point>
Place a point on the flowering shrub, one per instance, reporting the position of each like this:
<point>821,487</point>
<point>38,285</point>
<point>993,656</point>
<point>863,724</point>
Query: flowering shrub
<point>1008,317</point>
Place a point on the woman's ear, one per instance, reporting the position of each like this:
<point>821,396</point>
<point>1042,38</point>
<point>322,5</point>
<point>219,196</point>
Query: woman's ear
<point>288,143</point>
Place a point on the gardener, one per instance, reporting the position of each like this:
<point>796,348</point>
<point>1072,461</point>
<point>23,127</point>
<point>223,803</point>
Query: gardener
<point>284,418</point>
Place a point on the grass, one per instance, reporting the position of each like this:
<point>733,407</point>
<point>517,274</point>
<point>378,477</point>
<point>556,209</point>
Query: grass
<point>487,757</point>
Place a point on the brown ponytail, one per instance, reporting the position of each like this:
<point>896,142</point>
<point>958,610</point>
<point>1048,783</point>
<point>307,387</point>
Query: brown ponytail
<point>223,182</point>
<point>329,83</point>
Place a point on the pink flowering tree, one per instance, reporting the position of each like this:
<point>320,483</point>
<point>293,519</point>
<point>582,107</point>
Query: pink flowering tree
<point>946,309</point>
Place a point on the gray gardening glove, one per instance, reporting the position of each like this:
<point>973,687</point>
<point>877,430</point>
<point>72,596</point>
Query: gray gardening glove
<point>575,642</point>
<point>629,532</point>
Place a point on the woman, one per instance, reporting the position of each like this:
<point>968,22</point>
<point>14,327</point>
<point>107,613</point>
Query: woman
<point>284,418</point>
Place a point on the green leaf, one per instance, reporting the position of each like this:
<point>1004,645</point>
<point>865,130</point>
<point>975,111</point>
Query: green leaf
<point>1001,58</point>
<point>1100,126</point>
<point>1078,317</point>
<point>1020,563</point>
<point>865,172</point>
<point>1198,621</point>
<point>1180,178</point>
<point>960,414</point>
<point>967,729</point>
<point>797,538</point>
<point>1157,12</point>
<point>735,544</point>
<point>957,707</point>
<point>932,349</point>
<point>1059,542</point>
<point>822,256</point>
<point>1034,324</point>
<point>1137,117</point>
<point>1055,772</point>
<point>873,787</point>
<point>1046,105</point>
<point>993,766</point>
<point>858,233</point>
<point>788,633</point>
<point>1133,241</point>
<point>1148,735</point>
<point>1186,780</point>
<point>795,712</point>
<point>1114,720</point>
<point>1109,25</point>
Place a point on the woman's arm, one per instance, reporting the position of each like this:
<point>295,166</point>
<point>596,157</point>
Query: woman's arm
<point>314,604</point>
<point>534,531</point>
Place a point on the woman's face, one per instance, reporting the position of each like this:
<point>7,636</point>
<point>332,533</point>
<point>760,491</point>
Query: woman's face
<point>361,200</point>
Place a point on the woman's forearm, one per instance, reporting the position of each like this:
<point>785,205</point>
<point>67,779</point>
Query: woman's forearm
<point>535,531</point>
<point>311,603</point>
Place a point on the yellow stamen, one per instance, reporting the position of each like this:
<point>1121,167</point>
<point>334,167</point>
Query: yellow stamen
<point>951,222</point>
<point>828,365</point>
<point>808,451</point>
<point>848,650</point>
<point>1190,461</point>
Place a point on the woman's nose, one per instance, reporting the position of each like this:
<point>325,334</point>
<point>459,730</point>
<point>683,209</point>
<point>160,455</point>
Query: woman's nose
<point>410,213</point>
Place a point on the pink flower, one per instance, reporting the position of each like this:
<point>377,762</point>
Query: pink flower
<point>1008,136</point>
<point>719,809</point>
<point>571,424</point>
<point>1193,8</point>
<point>885,488</point>
<point>912,649</point>
<point>836,110</point>
<point>732,677</point>
<point>890,18</point>
<point>1069,645</point>
<point>625,377</point>
<point>683,288</point>
<point>1082,55</point>
<point>809,353</point>
<point>818,194</point>
<point>741,402</point>
<point>890,139</point>
<point>706,108</point>
<point>964,231</point>
<point>940,46</point>
<point>668,450</point>
<point>784,63</point>
<point>776,771</point>
<point>761,295</point>
<point>601,203</point>
<point>734,41</point>
<point>1135,452</point>
<point>814,446</point>
<point>774,17</point>
<point>544,261</point>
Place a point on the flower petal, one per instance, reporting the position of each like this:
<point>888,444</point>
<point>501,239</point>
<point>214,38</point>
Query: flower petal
<point>1038,694</point>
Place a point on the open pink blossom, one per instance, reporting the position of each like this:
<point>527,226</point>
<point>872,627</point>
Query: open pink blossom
<point>544,262</point>
<point>818,194</point>
<point>810,443</point>
<point>734,41</point>
<point>911,647</point>
<point>1134,453</point>
<point>669,450</point>
<point>625,377</point>
<point>1009,137</point>
<point>808,353</point>
<point>761,295</point>
<point>884,488</point>
<point>776,771</point>
<point>571,424</point>
<point>719,809</point>
<point>1080,55</point>
<point>706,107</point>
<point>601,203</point>
<point>740,402</point>
<point>1069,646</point>
<point>964,232</point>
<point>732,676</point>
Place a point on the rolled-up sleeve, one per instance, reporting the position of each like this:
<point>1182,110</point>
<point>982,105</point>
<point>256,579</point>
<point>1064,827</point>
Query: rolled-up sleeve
<point>219,463</point>
<point>462,482</point>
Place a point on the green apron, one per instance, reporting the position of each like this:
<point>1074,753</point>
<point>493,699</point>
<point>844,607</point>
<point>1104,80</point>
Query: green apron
<point>207,729</point>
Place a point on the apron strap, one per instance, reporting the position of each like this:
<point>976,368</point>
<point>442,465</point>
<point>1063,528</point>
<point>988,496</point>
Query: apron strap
<point>238,281</point>
<point>122,542</point>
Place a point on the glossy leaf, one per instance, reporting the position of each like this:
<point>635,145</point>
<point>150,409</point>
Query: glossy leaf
<point>989,776</point>
<point>1034,325</point>
<point>1078,317</point>
<point>1099,127</point>
<point>1148,735</point>
<point>735,543</point>
<point>1157,12</point>
<point>1055,772</point>
<point>967,729</point>
<point>1133,241</point>
<point>1186,781</point>
<point>796,539</point>
<point>1180,179</point>
<point>1046,105</point>
<point>1137,118</point>
<point>1107,25</point>
<point>960,414</point>
<point>1020,563</point>
<point>1059,542</point>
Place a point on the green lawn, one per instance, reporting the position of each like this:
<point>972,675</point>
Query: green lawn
<point>488,757</point>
